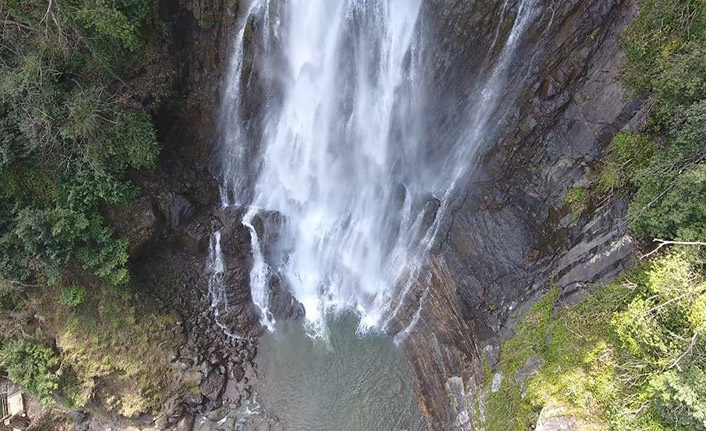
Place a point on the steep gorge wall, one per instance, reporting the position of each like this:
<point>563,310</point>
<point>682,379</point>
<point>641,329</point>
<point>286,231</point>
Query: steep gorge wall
<point>511,233</point>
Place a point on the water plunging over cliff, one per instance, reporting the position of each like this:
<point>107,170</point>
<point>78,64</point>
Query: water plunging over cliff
<point>340,148</point>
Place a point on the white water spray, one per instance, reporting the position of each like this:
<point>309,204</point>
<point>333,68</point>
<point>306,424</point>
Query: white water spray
<point>343,155</point>
<point>216,286</point>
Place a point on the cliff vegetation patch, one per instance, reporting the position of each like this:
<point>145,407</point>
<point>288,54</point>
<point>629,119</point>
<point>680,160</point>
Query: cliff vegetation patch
<point>662,166</point>
<point>73,129</point>
<point>632,356</point>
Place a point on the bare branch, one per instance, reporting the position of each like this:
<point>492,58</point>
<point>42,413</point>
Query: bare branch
<point>46,14</point>
<point>683,355</point>
<point>19,284</point>
<point>6,22</point>
<point>663,243</point>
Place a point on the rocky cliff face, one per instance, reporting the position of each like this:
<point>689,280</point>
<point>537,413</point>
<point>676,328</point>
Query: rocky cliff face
<point>171,223</point>
<point>509,233</point>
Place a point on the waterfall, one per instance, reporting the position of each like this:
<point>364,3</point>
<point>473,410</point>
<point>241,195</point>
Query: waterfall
<point>340,149</point>
<point>234,152</point>
<point>216,286</point>
<point>259,274</point>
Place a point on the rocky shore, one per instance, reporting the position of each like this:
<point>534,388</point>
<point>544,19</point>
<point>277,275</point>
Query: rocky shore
<point>169,227</point>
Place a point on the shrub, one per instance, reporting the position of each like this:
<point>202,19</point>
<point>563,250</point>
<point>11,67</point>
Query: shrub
<point>125,336</point>
<point>669,208</point>
<point>132,140</point>
<point>51,234</point>
<point>117,21</point>
<point>688,132</point>
<point>110,261</point>
<point>65,140</point>
<point>680,398</point>
<point>665,49</point>
<point>73,296</point>
<point>630,357</point>
<point>625,161</point>
<point>33,365</point>
<point>577,200</point>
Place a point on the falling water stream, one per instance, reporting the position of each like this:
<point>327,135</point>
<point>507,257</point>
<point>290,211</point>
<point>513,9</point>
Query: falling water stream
<point>343,154</point>
<point>339,148</point>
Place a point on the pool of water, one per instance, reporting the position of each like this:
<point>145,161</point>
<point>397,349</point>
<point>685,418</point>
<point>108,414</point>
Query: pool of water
<point>344,383</point>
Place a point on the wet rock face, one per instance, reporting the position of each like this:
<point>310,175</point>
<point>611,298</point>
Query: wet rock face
<point>513,223</point>
<point>216,368</point>
<point>510,233</point>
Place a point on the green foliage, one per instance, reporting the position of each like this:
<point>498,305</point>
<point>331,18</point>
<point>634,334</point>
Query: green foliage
<point>51,234</point>
<point>688,132</point>
<point>109,262</point>
<point>12,296</point>
<point>106,20</point>
<point>628,155</point>
<point>680,398</point>
<point>121,335</point>
<point>32,365</point>
<point>577,200</point>
<point>132,140</point>
<point>669,208</point>
<point>664,49</point>
<point>73,296</point>
<point>69,135</point>
<point>65,139</point>
<point>206,24</point>
<point>659,330</point>
<point>630,357</point>
<point>504,408</point>
<point>666,60</point>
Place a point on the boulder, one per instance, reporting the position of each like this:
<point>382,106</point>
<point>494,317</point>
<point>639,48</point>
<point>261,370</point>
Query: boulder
<point>186,423</point>
<point>193,399</point>
<point>497,382</point>
<point>554,418</point>
<point>531,367</point>
<point>213,385</point>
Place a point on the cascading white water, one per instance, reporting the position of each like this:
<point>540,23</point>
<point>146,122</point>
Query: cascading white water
<point>216,285</point>
<point>344,156</point>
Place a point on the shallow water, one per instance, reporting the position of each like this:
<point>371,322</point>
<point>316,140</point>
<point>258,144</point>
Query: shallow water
<point>345,383</point>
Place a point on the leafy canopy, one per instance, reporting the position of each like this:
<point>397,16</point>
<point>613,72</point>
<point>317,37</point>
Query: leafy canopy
<point>66,136</point>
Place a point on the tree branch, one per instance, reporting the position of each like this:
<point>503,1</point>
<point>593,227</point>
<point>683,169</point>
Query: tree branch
<point>17,283</point>
<point>683,355</point>
<point>6,22</point>
<point>663,243</point>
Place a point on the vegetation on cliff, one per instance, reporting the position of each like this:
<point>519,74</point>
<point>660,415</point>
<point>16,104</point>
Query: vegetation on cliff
<point>66,138</point>
<point>664,163</point>
<point>73,127</point>
<point>632,356</point>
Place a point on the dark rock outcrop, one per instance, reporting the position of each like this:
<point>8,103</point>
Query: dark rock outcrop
<point>510,233</point>
<point>171,223</point>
